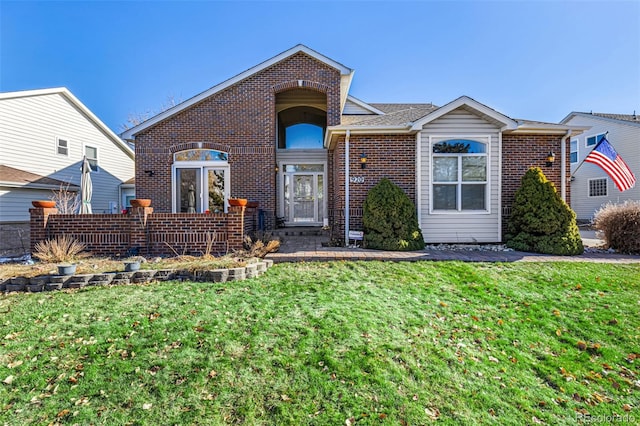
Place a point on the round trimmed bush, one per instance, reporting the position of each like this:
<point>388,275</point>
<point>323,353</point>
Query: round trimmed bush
<point>620,226</point>
<point>541,221</point>
<point>390,219</point>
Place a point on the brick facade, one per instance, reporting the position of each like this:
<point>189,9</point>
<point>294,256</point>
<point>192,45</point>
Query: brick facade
<point>390,156</point>
<point>239,120</point>
<point>521,152</point>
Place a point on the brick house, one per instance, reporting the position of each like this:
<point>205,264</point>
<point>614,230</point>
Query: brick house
<point>286,133</point>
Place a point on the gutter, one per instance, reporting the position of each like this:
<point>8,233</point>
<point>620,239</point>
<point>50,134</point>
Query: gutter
<point>346,188</point>
<point>563,166</point>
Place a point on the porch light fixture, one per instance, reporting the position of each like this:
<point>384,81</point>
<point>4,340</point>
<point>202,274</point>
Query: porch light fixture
<point>551,158</point>
<point>363,160</point>
<point>149,173</point>
<point>277,169</point>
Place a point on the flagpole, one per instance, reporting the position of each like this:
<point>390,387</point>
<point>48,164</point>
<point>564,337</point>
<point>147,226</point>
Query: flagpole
<point>585,157</point>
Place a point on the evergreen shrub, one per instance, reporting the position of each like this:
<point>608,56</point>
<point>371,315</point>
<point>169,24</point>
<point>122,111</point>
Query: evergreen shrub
<point>390,219</point>
<point>541,221</point>
<point>620,226</point>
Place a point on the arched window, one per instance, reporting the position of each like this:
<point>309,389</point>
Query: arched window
<point>459,175</point>
<point>200,181</point>
<point>301,127</point>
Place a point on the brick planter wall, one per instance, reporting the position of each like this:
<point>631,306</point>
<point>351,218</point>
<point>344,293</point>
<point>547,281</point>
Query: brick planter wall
<point>143,232</point>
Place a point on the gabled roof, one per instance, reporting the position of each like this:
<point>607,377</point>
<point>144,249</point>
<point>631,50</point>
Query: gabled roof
<point>63,91</point>
<point>13,177</point>
<point>345,72</point>
<point>401,115</point>
<point>466,102</point>
<point>631,119</point>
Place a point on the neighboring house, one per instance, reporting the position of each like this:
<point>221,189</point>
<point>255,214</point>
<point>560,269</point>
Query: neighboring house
<point>44,135</point>
<point>590,185</point>
<point>286,133</point>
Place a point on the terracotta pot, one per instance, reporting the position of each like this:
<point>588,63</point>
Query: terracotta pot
<point>238,201</point>
<point>140,202</point>
<point>46,204</point>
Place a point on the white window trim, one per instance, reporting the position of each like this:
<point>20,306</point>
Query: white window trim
<point>606,181</point>
<point>280,181</point>
<point>58,138</point>
<point>84,153</point>
<point>577,151</point>
<point>203,165</point>
<point>487,201</point>
<point>586,138</point>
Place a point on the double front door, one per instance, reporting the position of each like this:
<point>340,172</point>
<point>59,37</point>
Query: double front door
<point>303,194</point>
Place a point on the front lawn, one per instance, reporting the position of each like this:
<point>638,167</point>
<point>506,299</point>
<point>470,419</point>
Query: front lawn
<point>337,343</point>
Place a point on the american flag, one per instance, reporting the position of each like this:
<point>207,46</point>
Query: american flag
<point>605,156</point>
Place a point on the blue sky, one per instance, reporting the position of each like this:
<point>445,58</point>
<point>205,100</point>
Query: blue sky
<point>536,60</point>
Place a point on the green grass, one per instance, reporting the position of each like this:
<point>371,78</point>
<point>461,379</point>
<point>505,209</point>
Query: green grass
<point>339,343</point>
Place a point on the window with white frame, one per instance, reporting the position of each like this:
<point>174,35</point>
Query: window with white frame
<point>62,147</point>
<point>574,151</point>
<point>592,140</point>
<point>459,179</point>
<point>598,187</point>
<point>91,153</point>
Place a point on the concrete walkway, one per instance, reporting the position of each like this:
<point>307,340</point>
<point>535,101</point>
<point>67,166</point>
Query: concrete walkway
<point>310,248</point>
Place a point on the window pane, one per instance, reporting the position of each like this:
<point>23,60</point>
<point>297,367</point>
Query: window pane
<point>444,197</point>
<point>304,168</point>
<point>474,169</point>
<point>574,157</point>
<point>459,146</point>
<point>473,197</point>
<point>591,141</point>
<point>597,187</point>
<point>445,169</point>
<point>301,136</point>
<point>200,155</point>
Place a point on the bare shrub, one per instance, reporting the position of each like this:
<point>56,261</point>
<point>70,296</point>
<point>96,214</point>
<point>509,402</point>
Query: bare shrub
<point>258,246</point>
<point>67,202</point>
<point>620,226</point>
<point>60,249</point>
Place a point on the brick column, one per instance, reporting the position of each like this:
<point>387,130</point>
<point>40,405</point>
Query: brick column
<point>138,228</point>
<point>38,224</point>
<point>235,227</point>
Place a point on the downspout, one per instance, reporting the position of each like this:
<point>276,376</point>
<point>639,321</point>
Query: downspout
<point>346,188</point>
<point>563,166</point>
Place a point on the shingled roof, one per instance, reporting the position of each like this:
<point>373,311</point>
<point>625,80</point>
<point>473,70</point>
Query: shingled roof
<point>395,115</point>
<point>17,177</point>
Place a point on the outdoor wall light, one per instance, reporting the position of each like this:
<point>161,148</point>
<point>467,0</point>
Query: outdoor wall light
<point>277,169</point>
<point>551,158</point>
<point>150,173</point>
<point>363,160</point>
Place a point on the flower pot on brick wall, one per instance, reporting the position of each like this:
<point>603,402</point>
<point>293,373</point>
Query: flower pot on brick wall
<point>46,204</point>
<point>140,202</point>
<point>238,201</point>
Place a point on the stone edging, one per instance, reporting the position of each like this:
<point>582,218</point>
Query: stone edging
<point>57,282</point>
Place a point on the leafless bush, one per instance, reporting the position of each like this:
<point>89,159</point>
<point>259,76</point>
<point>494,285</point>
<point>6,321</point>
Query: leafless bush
<point>67,202</point>
<point>258,247</point>
<point>60,249</point>
<point>620,226</point>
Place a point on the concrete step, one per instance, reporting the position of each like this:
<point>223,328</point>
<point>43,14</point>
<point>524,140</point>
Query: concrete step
<point>299,231</point>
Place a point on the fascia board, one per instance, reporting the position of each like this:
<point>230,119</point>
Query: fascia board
<point>365,105</point>
<point>129,134</point>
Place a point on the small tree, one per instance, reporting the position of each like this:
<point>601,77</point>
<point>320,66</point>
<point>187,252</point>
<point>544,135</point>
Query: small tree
<point>390,219</point>
<point>67,202</point>
<point>540,220</point>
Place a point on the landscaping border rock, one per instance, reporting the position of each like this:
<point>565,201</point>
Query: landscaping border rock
<point>58,282</point>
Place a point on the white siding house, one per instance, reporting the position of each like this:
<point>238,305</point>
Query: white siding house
<point>44,135</point>
<point>590,185</point>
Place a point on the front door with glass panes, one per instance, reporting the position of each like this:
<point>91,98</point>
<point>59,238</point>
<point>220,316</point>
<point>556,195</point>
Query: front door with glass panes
<point>303,194</point>
<point>200,181</point>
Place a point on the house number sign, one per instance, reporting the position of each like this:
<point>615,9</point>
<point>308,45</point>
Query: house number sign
<point>356,179</point>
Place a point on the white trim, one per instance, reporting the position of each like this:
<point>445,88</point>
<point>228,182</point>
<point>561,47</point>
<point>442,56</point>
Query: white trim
<point>63,91</point>
<point>509,124</point>
<point>586,137</point>
<point>419,178</point>
<point>57,145</point>
<point>97,159</point>
<point>606,181</point>
<point>609,119</point>
<point>344,71</point>
<point>364,105</point>
<point>280,189</point>
<point>203,166</point>
<point>487,183</point>
<point>499,187</point>
<point>577,151</point>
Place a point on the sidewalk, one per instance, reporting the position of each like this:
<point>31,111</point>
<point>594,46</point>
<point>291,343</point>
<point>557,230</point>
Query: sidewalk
<point>309,249</point>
